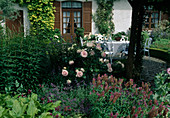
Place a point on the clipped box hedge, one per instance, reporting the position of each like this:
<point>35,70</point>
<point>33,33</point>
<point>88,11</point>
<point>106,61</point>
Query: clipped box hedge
<point>161,54</point>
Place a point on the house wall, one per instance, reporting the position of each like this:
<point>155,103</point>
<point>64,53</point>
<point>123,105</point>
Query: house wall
<point>122,16</point>
<point>121,9</point>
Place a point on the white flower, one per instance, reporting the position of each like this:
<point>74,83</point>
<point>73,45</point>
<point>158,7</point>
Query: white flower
<point>68,81</point>
<point>71,62</point>
<point>56,36</point>
<point>82,69</point>
<point>78,51</point>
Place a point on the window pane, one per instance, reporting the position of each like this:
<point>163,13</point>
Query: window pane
<point>64,31</point>
<point>152,20</point>
<point>64,20</point>
<point>75,19</point>
<point>78,25</point>
<point>156,20</point>
<point>79,20</point>
<point>66,4</point>
<point>75,14</point>
<point>156,25</point>
<point>64,25</point>
<point>68,14</point>
<point>76,5</point>
<point>68,19</point>
<point>156,15</point>
<point>153,15</point>
<point>64,14</point>
<point>78,14</point>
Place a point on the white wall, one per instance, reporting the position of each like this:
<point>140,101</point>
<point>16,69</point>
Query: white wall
<point>122,15</point>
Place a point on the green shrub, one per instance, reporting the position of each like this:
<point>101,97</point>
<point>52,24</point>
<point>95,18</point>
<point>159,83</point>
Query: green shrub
<point>162,87</point>
<point>162,31</point>
<point>26,107</point>
<point>163,44</point>
<point>69,60</point>
<point>23,60</point>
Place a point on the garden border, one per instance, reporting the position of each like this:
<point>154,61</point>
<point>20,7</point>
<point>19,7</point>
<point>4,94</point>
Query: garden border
<point>161,54</point>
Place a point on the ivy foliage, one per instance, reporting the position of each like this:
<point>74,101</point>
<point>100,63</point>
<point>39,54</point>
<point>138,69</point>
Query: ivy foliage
<point>103,17</point>
<point>41,13</point>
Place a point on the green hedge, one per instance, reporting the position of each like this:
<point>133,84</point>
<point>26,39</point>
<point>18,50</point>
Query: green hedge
<point>161,54</point>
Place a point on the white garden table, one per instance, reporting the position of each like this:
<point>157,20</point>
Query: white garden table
<point>113,48</point>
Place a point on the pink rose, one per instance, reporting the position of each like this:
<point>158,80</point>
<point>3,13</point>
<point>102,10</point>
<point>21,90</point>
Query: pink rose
<point>98,47</point>
<point>89,44</point>
<point>84,53</point>
<point>71,62</point>
<point>109,65</point>
<point>64,72</point>
<point>103,54</point>
<point>79,74</point>
<point>168,71</point>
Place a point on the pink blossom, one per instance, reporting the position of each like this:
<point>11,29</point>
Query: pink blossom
<point>98,47</point>
<point>71,62</point>
<point>168,71</point>
<point>109,65</point>
<point>92,53</point>
<point>84,53</point>
<point>109,69</point>
<point>103,54</point>
<point>64,72</point>
<point>79,74</point>
<point>89,44</point>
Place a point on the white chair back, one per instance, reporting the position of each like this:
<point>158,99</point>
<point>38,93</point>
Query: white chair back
<point>81,41</point>
<point>99,37</point>
<point>148,42</point>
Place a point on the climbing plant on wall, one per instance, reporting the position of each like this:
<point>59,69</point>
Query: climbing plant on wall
<point>41,14</point>
<point>103,17</point>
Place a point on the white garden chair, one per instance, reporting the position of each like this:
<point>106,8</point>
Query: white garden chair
<point>147,46</point>
<point>81,41</point>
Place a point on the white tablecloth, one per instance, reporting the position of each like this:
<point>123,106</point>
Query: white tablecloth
<point>115,47</point>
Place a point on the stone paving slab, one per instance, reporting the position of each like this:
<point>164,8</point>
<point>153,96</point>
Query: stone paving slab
<point>152,66</point>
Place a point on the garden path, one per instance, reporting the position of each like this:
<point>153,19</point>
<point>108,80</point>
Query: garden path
<point>152,66</point>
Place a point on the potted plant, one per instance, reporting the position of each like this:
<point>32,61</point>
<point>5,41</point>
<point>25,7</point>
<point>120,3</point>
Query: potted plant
<point>118,36</point>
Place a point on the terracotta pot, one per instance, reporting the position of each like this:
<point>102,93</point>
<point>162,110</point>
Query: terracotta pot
<point>117,38</point>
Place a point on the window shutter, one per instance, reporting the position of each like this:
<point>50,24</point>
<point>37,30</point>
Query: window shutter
<point>87,17</point>
<point>16,25</point>
<point>57,4</point>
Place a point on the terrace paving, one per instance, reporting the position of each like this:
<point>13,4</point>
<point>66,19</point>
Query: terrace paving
<point>152,66</point>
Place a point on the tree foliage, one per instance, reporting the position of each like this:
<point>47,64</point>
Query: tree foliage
<point>7,9</point>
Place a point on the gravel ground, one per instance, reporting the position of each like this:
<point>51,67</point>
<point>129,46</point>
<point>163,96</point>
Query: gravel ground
<point>152,66</point>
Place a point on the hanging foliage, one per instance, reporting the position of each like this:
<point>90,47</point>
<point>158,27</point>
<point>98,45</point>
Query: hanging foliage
<point>103,17</point>
<point>41,14</point>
